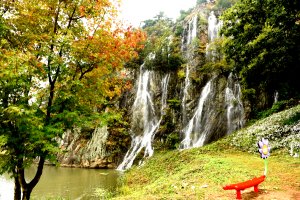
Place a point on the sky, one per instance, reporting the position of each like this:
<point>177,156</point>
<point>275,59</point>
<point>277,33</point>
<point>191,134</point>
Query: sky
<point>136,11</point>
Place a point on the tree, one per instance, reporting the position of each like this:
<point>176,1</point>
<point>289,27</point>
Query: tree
<point>162,48</point>
<point>162,44</point>
<point>224,4</point>
<point>263,42</point>
<point>61,63</point>
<point>202,1</point>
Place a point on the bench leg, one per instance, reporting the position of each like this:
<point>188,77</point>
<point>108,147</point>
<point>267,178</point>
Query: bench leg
<point>255,188</point>
<point>238,194</point>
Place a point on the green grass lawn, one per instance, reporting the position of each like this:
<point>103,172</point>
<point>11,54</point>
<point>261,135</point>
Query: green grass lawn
<point>200,173</point>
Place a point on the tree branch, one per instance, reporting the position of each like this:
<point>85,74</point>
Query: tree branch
<point>38,174</point>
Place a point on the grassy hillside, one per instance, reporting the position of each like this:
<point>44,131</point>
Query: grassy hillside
<point>200,173</point>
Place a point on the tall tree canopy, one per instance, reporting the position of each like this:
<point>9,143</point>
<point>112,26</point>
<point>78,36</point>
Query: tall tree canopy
<point>60,63</point>
<point>263,41</point>
<point>162,44</point>
<point>162,49</point>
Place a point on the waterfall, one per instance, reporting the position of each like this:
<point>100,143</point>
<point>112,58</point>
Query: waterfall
<point>204,117</point>
<point>164,96</point>
<point>192,132</point>
<point>187,84</point>
<point>276,95</point>
<point>214,27</point>
<point>145,120</point>
<point>192,29</point>
<point>234,105</point>
<point>209,121</point>
<point>192,33</point>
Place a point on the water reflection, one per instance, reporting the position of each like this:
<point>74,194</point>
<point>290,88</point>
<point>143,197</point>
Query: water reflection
<point>70,183</point>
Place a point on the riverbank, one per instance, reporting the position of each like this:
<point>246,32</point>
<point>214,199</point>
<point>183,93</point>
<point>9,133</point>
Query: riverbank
<point>200,173</point>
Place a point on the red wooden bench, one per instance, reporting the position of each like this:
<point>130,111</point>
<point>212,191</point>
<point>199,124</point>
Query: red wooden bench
<point>243,185</point>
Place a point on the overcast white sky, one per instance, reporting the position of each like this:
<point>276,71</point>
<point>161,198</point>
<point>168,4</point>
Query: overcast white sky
<point>136,11</point>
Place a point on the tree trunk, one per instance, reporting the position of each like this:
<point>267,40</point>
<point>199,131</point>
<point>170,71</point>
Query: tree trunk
<point>17,189</point>
<point>26,193</point>
<point>28,187</point>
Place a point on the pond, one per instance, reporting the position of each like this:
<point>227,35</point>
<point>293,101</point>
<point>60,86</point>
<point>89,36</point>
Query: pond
<point>69,183</point>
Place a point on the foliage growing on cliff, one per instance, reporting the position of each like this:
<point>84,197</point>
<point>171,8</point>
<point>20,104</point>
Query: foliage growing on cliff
<point>119,138</point>
<point>215,61</point>
<point>263,42</point>
<point>162,49</point>
<point>224,4</point>
<point>184,14</point>
<point>61,63</point>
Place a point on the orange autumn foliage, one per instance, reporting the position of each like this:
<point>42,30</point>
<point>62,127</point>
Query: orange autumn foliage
<point>110,46</point>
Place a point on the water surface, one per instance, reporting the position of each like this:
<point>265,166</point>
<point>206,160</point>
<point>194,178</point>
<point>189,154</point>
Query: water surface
<point>69,183</point>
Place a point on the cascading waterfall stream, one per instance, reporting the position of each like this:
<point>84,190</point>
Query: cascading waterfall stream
<point>234,105</point>
<point>192,132</point>
<point>164,86</point>
<point>187,84</point>
<point>200,129</point>
<point>276,95</point>
<point>192,33</point>
<point>214,27</point>
<point>145,120</point>
<point>219,109</point>
<point>193,135</point>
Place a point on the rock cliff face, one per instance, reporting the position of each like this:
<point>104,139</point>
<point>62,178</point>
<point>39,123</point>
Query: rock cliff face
<point>87,153</point>
<point>183,109</point>
<point>196,108</point>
